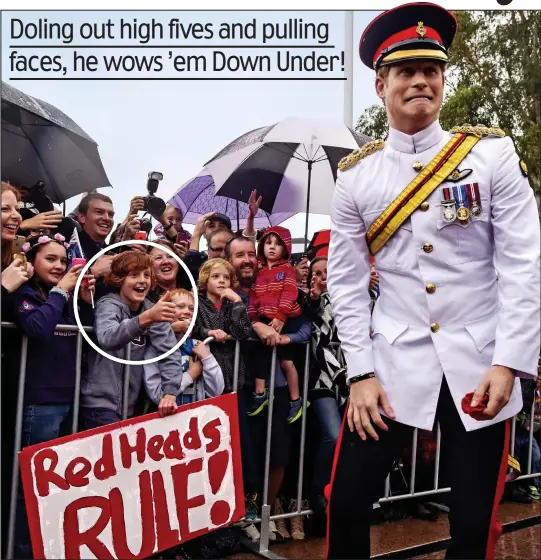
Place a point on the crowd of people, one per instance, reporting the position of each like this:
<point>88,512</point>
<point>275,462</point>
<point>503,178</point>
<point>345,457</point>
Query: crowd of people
<point>140,298</point>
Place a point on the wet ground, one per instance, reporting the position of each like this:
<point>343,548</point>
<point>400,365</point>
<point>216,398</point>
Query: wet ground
<point>523,544</point>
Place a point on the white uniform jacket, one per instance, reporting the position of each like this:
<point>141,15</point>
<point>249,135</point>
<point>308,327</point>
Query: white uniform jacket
<point>484,302</point>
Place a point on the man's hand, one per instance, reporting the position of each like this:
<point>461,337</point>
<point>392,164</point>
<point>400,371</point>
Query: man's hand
<point>168,405</point>
<point>16,274</point>
<point>498,382</point>
<point>44,220</point>
<point>102,267</point>
<point>364,397</point>
<point>230,295</point>
<point>201,224</point>
<point>267,334</point>
<point>253,204</point>
<point>137,204</point>
<point>277,325</point>
<point>132,226</point>
<point>218,335</point>
<point>163,312</point>
<point>181,249</point>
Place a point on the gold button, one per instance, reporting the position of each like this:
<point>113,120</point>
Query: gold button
<point>434,327</point>
<point>371,331</point>
<point>417,166</point>
<point>424,206</point>
<point>428,247</point>
<point>430,288</point>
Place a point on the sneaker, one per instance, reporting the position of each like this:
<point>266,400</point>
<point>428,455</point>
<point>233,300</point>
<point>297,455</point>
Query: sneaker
<point>281,523</point>
<point>251,532</point>
<point>297,523</point>
<point>534,493</point>
<point>295,410</point>
<point>274,534</point>
<point>259,402</point>
<point>250,505</point>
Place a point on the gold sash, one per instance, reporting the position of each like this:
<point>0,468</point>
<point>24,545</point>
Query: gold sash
<point>422,186</point>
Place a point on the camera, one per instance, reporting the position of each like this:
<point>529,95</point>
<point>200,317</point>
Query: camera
<point>153,205</point>
<point>145,225</point>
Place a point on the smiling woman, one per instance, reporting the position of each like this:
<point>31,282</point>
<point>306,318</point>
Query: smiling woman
<point>169,275</point>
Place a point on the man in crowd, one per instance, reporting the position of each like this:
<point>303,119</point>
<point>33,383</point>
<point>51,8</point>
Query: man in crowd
<point>241,253</point>
<point>457,321</point>
<point>207,226</point>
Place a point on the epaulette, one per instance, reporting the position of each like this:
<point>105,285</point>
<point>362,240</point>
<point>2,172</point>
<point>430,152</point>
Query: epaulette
<point>360,153</point>
<point>481,131</point>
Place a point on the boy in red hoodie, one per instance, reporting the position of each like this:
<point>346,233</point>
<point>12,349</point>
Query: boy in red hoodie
<point>273,300</point>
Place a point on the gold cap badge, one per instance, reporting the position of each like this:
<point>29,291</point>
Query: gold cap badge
<point>421,29</point>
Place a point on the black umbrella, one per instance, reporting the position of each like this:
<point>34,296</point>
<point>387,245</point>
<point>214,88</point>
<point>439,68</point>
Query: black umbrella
<point>292,164</point>
<point>41,143</point>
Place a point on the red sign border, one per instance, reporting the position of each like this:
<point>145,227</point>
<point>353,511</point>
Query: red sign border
<point>228,403</point>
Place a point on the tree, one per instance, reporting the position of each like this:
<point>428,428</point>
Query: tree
<point>493,78</point>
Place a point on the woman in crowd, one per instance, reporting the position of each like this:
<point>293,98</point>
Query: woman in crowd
<point>329,391</point>
<point>42,304</point>
<point>221,313</point>
<point>168,273</point>
<point>125,317</point>
<point>15,272</point>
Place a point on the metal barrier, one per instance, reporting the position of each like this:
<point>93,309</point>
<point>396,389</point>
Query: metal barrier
<point>266,517</point>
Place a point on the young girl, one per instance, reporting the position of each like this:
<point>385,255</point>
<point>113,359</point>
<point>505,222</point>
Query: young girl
<point>273,300</point>
<point>42,304</point>
<point>125,317</point>
<point>221,313</point>
<point>201,374</point>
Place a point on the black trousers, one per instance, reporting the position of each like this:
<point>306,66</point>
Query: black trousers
<point>476,464</point>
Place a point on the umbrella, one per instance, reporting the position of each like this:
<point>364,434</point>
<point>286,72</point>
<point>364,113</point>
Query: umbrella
<point>41,143</point>
<point>293,164</point>
<point>197,197</point>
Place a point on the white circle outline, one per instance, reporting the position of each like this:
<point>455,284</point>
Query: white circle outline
<point>76,294</point>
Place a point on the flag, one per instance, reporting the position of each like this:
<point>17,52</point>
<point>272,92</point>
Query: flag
<point>74,248</point>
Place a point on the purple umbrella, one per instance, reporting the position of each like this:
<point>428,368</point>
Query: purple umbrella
<point>198,196</point>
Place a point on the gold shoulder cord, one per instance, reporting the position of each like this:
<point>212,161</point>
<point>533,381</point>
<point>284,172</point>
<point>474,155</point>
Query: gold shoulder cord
<point>357,155</point>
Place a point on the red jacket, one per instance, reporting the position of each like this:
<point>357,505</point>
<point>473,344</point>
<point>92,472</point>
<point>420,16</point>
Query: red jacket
<point>274,293</point>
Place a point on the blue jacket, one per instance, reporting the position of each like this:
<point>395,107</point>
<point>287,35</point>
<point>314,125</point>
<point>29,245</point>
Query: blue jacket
<point>50,366</point>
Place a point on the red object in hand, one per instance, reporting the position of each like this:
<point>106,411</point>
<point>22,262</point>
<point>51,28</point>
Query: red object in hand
<point>474,411</point>
<point>80,261</point>
<point>141,235</point>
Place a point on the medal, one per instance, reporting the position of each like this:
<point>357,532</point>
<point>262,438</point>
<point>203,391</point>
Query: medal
<point>462,212</point>
<point>475,200</point>
<point>448,212</point>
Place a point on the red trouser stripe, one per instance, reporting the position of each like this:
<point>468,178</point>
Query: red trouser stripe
<point>328,488</point>
<point>495,529</point>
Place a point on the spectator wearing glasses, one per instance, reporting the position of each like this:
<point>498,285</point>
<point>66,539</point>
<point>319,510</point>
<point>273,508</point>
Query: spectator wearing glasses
<point>205,226</point>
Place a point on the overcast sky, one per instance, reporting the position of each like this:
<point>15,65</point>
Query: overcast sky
<point>175,127</point>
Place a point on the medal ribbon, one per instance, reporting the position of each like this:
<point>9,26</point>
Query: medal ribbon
<point>418,190</point>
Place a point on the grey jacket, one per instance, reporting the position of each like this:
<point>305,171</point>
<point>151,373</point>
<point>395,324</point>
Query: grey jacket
<point>115,328</point>
<point>210,384</point>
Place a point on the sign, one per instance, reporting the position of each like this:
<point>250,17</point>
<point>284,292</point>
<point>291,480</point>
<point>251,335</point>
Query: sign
<point>137,487</point>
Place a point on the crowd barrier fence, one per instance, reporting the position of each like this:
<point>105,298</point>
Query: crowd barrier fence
<point>262,548</point>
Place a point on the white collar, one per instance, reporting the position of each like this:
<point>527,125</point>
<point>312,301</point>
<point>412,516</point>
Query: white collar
<point>415,143</point>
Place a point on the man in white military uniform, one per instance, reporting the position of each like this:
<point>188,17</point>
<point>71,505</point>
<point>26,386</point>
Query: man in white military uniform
<point>454,227</point>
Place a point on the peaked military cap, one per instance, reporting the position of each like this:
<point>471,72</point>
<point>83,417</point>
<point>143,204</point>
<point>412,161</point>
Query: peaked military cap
<point>419,30</point>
